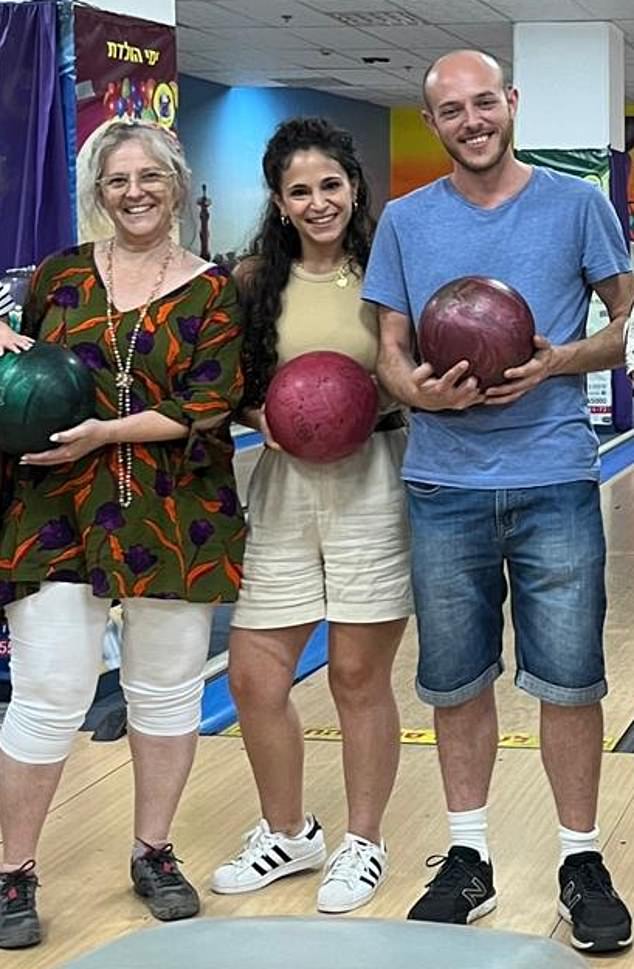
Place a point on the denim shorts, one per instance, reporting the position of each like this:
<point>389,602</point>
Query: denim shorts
<point>548,542</point>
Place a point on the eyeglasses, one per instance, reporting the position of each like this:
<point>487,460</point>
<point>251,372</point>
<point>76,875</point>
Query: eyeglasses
<point>150,181</point>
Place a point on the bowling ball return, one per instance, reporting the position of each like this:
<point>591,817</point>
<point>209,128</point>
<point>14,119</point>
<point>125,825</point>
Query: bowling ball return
<point>326,943</point>
<point>42,391</point>
<point>480,320</point>
<point>321,406</point>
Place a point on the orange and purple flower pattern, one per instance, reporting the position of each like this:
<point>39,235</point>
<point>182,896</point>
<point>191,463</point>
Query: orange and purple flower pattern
<point>183,535</point>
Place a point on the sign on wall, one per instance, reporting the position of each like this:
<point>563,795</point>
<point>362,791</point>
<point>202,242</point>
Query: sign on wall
<point>126,70</point>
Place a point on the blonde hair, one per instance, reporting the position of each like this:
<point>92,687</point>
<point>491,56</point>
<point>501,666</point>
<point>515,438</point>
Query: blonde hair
<point>161,143</point>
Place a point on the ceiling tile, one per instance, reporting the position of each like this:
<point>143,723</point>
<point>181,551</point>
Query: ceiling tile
<point>371,78</point>
<point>196,12</point>
<point>608,9</point>
<point>266,38</point>
<point>452,11</point>
<point>322,59</point>
<point>423,35</point>
<point>350,6</point>
<point>241,42</point>
<point>384,58</point>
<point>627,26</point>
<point>484,35</point>
<point>540,10</point>
<point>277,12</point>
<point>339,37</point>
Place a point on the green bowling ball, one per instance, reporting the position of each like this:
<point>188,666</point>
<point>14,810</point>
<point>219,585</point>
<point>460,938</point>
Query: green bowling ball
<point>42,390</point>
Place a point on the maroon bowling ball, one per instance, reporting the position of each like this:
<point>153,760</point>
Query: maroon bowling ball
<point>480,320</point>
<point>321,406</point>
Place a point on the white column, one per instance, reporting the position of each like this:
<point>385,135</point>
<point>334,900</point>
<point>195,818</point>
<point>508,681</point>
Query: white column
<point>571,82</point>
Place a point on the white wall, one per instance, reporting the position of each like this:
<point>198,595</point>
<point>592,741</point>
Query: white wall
<point>160,11</point>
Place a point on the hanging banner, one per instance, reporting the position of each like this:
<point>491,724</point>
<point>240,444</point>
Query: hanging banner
<point>593,165</point>
<point>126,69</point>
<point>34,198</point>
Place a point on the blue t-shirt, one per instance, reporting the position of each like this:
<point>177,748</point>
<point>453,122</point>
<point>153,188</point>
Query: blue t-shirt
<point>551,241</point>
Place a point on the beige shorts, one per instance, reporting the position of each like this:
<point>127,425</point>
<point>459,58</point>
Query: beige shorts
<point>327,541</point>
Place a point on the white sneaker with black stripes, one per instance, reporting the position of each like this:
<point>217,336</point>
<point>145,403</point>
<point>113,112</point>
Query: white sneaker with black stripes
<point>268,855</point>
<point>353,874</point>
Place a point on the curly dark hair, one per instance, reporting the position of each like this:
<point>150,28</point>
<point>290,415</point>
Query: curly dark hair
<point>267,267</point>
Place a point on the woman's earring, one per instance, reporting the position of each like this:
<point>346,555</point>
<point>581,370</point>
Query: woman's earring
<point>284,219</point>
<point>355,205</point>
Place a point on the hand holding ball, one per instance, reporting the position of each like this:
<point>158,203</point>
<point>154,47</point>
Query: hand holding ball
<point>321,406</point>
<point>42,391</point>
<point>480,320</point>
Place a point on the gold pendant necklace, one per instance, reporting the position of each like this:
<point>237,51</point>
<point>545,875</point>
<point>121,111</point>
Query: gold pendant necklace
<point>123,372</point>
<point>343,273</point>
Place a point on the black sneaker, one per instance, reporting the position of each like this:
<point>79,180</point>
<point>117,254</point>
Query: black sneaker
<point>157,878</point>
<point>600,921</point>
<point>19,924</point>
<point>461,892</point>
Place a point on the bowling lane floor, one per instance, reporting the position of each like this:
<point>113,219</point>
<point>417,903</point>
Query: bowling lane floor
<point>85,897</point>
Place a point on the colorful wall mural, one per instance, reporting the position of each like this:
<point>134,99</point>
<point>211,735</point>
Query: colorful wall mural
<point>224,131</point>
<point>417,155</point>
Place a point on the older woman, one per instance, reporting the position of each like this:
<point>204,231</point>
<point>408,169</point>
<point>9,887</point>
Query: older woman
<point>138,504</point>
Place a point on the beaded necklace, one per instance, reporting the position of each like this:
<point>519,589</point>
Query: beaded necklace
<point>123,372</point>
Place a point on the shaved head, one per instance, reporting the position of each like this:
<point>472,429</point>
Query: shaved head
<point>458,62</point>
<point>470,108</point>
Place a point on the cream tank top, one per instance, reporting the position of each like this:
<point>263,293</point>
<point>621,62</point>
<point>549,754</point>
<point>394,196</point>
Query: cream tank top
<point>319,312</point>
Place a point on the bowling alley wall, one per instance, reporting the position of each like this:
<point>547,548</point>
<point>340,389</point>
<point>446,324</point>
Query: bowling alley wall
<point>417,157</point>
<point>225,130</point>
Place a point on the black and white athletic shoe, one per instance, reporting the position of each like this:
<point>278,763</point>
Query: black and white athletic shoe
<point>268,855</point>
<point>600,921</point>
<point>353,874</point>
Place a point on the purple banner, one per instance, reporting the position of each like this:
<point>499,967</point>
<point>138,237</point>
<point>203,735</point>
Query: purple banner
<point>621,385</point>
<point>620,163</point>
<point>34,194</point>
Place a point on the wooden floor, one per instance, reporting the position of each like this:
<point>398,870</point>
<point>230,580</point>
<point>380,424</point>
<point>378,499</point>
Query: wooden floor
<point>85,898</point>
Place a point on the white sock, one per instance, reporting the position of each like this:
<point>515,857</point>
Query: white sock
<point>469,829</point>
<point>574,842</point>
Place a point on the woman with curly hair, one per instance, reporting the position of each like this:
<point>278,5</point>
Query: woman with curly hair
<point>324,541</point>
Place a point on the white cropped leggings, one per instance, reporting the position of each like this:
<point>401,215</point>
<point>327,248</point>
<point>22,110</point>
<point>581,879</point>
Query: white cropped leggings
<point>56,657</point>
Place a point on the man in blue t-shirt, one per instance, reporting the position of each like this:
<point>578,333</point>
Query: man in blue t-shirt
<point>506,479</point>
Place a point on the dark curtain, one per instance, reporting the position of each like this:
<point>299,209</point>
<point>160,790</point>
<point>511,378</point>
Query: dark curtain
<point>35,208</point>
<point>67,80</point>
<point>619,175</point>
<point>621,385</point>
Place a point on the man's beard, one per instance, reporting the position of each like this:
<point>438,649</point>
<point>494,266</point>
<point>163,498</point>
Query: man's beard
<point>472,165</point>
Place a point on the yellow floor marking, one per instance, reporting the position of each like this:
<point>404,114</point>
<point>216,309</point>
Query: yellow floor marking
<point>425,738</point>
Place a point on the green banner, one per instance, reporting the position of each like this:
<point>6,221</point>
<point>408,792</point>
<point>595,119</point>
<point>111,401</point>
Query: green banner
<point>593,164</point>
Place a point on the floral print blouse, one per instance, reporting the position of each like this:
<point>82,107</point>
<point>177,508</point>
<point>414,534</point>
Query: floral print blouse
<point>182,536</point>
